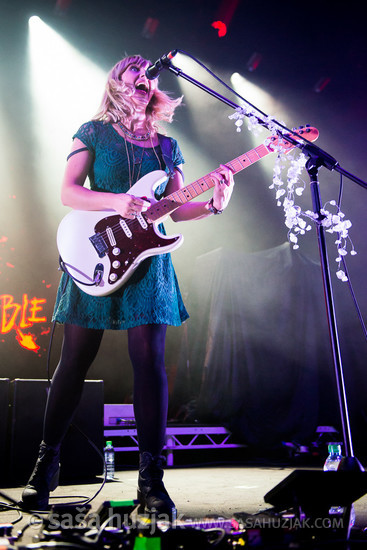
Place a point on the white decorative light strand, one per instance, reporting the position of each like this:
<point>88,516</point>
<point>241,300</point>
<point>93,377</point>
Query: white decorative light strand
<point>254,119</point>
<point>294,216</point>
<point>336,223</point>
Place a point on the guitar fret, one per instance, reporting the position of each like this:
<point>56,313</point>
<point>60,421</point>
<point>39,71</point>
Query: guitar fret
<point>252,156</point>
<point>200,185</point>
<point>179,196</point>
<point>262,151</point>
<point>207,181</point>
<point>192,189</point>
<point>238,164</point>
<point>186,192</point>
<point>198,188</point>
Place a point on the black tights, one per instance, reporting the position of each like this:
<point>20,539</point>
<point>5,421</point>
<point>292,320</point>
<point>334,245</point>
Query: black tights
<point>146,346</point>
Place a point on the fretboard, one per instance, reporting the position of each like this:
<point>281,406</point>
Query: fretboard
<point>168,204</point>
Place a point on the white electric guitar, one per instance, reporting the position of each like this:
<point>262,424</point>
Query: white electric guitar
<point>100,250</point>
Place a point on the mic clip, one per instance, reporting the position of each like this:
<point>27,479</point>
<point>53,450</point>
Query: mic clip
<point>163,62</point>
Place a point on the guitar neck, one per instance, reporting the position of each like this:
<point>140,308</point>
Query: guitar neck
<point>168,204</point>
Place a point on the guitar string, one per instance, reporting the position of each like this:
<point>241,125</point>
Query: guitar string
<point>116,228</point>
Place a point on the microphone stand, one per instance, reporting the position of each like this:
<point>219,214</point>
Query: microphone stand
<point>317,158</point>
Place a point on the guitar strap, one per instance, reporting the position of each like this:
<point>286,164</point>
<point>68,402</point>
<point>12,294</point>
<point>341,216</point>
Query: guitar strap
<point>166,148</point>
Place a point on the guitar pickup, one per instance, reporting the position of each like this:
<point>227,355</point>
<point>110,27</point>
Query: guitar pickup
<point>99,244</point>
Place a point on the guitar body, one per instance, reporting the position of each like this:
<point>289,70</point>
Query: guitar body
<point>101,250</point>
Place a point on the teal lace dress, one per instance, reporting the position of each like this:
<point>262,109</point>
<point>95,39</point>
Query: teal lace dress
<point>152,294</point>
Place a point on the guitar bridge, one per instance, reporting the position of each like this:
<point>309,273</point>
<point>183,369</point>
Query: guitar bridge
<point>99,244</point>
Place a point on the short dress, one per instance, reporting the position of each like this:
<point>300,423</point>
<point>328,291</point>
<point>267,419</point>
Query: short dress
<point>152,293</point>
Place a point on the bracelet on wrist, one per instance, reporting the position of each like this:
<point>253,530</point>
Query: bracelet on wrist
<point>212,208</point>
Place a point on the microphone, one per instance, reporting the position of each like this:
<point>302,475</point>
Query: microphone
<point>153,71</point>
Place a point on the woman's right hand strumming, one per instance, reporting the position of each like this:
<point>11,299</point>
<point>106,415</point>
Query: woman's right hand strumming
<point>128,206</point>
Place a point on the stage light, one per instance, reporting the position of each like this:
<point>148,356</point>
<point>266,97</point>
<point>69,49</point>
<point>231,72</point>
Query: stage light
<point>266,103</point>
<point>62,79</point>
<point>221,28</point>
<point>150,27</point>
<point>321,84</point>
<point>66,89</point>
<point>33,20</point>
<point>62,6</point>
<point>224,15</point>
<point>255,95</point>
<point>254,62</point>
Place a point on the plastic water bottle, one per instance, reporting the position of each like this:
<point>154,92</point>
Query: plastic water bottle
<point>109,460</point>
<point>334,458</point>
<point>332,464</point>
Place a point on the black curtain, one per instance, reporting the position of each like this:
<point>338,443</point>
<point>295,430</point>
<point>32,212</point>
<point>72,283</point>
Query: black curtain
<point>257,355</point>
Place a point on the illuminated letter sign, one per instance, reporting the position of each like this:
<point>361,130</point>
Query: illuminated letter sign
<point>18,317</point>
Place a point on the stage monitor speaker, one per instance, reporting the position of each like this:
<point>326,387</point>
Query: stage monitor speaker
<point>315,490</point>
<point>79,461</point>
<point>4,409</point>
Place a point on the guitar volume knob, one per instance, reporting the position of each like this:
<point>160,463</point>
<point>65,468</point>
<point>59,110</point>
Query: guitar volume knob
<point>116,251</point>
<point>116,264</point>
<point>113,277</point>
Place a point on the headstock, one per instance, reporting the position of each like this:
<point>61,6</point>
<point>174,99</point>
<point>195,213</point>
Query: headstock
<point>275,142</point>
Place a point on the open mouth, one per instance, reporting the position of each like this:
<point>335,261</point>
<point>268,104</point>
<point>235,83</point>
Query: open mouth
<point>142,88</point>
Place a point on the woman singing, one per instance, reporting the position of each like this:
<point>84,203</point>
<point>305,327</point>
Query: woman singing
<point>114,150</point>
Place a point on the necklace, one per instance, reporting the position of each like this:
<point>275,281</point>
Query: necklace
<point>155,152</point>
<point>131,135</point>
<point>136,161</point>
<point>132,177</point>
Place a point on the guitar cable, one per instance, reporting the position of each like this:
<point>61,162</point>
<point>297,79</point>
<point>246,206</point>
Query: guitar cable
<point>98,274</point>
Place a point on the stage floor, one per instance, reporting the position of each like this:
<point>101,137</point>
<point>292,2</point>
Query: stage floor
<point>197,491</point>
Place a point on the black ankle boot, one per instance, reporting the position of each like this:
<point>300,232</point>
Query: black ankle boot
<point>152,494</point>
<point>45,478</point>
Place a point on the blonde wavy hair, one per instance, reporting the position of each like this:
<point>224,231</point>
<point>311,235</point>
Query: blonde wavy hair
<point>117,104</point>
